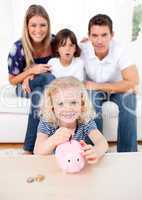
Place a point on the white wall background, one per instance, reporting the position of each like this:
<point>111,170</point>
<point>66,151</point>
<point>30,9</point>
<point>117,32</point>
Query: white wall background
<point>73,14</point>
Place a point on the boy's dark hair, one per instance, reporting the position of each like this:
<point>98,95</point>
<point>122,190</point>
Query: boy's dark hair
<point>61,38</point>
<point>101,20</point>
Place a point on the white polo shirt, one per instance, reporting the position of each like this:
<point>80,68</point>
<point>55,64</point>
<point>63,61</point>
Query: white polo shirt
<point>108,69</point>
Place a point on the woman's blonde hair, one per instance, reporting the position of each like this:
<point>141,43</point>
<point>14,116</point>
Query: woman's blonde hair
<point>33,10</point>
<point>47,110</point>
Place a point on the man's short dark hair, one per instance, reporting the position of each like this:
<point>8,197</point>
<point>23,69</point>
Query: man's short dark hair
<point>101,20</point>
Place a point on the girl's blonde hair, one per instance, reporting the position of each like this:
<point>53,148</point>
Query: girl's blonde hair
<point>47,111</point>
<point>33,10</point>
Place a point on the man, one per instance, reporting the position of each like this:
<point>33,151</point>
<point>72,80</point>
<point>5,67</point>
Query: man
<point>111,77</point>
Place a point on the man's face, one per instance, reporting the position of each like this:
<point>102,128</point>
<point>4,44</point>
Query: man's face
<point>100,36</point>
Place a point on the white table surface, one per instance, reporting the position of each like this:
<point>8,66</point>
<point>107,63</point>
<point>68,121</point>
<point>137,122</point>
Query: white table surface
<point>118,176</point>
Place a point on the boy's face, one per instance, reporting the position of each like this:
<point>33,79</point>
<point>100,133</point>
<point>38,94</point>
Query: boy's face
<point>100,36</point>
<point>67,106</point>
<point>67,51</point>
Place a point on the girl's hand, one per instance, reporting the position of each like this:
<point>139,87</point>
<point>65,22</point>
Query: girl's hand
<point>40,68</point>
<point>89,153</point>
<point>62,135</point>
<point>25,84</point>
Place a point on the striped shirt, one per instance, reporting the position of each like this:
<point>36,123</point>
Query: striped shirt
<point>81,133</point>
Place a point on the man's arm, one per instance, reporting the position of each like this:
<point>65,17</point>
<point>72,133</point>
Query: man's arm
<point>130,82</point>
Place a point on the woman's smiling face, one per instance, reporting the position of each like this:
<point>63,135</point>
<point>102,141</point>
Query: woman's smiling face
<point>38,28</point>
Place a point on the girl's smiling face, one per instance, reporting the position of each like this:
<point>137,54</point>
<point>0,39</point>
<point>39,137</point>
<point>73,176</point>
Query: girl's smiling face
<point>67,106</point>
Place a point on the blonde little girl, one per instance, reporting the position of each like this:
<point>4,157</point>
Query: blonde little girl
<point>67,113</point>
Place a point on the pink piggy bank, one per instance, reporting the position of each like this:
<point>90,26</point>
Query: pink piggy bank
<point>69,156</point>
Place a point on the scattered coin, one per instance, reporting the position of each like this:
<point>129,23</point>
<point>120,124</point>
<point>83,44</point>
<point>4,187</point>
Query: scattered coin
<point>30,179</point>
<point>39,178</point>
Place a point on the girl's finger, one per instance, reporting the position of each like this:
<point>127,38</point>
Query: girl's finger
<point>28,90</point>
<point>92,161</point>
<point>82,143</point>
<point>87,147</point>
<point>87,151</point>
<point>91,156</point>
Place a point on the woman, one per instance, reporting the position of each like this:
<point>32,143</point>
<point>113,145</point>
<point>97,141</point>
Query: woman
<point>27,65</point>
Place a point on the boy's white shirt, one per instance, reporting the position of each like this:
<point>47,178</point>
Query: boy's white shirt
<point>106,70</point>
<point>75,68</point>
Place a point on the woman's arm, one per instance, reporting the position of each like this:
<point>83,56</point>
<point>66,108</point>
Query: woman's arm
<point>15,79</point>
<point>33,70</point>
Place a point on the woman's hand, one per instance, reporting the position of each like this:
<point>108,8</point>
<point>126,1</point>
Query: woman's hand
<point>39,68</point>
<point>62,135</point>
<point>89,153</point>
<point>25,84</point>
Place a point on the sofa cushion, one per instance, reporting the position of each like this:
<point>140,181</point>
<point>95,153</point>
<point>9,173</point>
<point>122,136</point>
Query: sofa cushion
<point>10,103</point>
<point>15,105</point>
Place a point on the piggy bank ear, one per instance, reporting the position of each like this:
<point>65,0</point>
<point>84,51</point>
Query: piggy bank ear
<point>59,150</point>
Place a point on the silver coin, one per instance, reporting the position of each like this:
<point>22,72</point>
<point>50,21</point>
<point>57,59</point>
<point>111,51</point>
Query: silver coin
<point>30,179</point>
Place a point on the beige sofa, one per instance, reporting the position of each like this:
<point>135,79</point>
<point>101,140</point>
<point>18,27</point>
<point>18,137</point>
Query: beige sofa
<point>13,116</point>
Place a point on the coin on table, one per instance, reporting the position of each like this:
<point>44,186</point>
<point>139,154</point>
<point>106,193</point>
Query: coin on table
<point>39,178</point>
<point>30,179</point>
